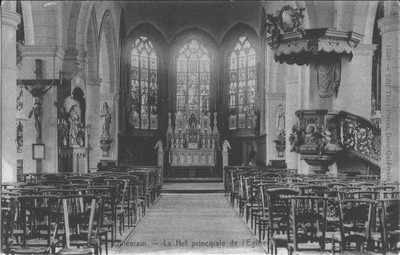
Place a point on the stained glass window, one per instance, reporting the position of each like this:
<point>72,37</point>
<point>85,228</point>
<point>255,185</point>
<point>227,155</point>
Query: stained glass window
<point>193,77</point>
<point>242,85</point>
<point>143,84</point>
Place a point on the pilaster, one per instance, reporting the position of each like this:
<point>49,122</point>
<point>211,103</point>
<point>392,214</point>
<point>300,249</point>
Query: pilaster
<point>93,107</point>
<point>293,87</point>
<point>10,21</point>
<point>390,152</point>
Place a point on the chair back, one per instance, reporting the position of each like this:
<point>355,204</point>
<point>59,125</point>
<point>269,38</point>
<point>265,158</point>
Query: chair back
<point>79,214</point>
<point>8,213</point>
<point>278,201</point>
<point>357,217</point>
<point>390,223</point>
<point>309,221</point>
<point>360,194</point>
<point>391,194</point>
<point>39,217</point>
<point>312,190</point>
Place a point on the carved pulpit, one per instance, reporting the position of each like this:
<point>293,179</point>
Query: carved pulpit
<point>192,142</point>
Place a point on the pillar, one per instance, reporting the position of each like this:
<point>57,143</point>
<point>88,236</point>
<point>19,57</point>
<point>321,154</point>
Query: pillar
<point>390,153</point>
<point>93,108</point>
<point>293,87</point>
<point>10,21</point>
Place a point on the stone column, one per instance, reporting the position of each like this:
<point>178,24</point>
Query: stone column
<point>293,87</point>
<point>93,108</point>
<point>390,153</point>
<point>224,164</point>
<point>10,21</point>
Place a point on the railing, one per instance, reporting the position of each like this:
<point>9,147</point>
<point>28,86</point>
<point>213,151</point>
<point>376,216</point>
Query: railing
<point>322,133</point>
<point>360,137</point>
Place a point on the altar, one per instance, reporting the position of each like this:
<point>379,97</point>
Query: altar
<point>192,141</point>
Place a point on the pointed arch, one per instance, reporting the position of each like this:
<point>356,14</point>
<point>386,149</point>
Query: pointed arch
<point>240,48</point>
<point>91,46</point>
<point>78,24</point>
<point>108,45</point>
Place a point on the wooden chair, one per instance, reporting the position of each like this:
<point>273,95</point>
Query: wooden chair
<point>308,223</point>
<point>109,196</point>
<point>261,211</point>
<point>8,213</point>
<point>387,234</point>
<point>279,205</point>
<point>144,190</point>
<point>40,224</point>
<point>131,204</point>
<point>79,214</point>
<point>356,218</point>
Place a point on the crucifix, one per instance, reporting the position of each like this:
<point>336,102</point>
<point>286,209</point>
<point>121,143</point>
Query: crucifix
<point>38,88</point>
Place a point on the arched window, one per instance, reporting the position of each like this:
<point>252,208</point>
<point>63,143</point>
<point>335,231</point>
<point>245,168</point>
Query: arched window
<point>242,85</point>
<point>143,81</point>
<point>193,77</point>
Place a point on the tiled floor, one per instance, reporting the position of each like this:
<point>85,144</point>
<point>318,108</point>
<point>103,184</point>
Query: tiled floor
<point>191,224</point>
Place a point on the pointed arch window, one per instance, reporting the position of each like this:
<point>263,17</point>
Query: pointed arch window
<point>193,77</point>
<point>242,85</point>
<point>144,84</point>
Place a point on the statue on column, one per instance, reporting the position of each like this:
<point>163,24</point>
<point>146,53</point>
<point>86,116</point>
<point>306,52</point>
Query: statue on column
<point>280,119</point>
<point>105,122</point>
<point>226,145</point>
<point>159,146</point>
<point>74,120</point>
<point>37,112</point>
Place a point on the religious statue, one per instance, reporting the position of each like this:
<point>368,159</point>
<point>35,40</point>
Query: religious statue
<point>226,145</point>
<point>271,27</point>
<point>105,122</point>
<point>159,146</point>
<point>63,126</point>
<point>37,113</point>
<point>295,138</point>
<point>252,158</point>
<point>280,119</point>
<point>328,76</point>
<point>74,120</point>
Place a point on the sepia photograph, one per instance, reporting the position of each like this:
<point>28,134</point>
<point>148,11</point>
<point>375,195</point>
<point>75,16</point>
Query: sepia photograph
<point>200,127</point>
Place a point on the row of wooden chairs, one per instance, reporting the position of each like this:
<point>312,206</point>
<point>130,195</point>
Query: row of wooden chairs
<point>52,224</point>
<point>254,193</point>
<point>124,194</point>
